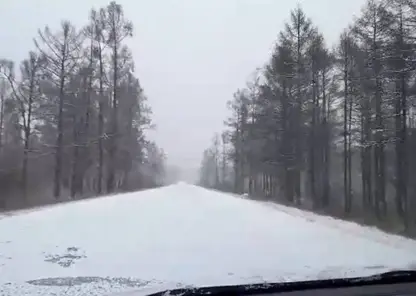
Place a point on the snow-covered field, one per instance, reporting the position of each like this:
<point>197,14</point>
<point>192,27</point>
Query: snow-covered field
<point>182,235</point>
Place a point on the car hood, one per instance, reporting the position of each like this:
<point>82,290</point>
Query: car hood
<point>330,273</point>
<point>122,286</point>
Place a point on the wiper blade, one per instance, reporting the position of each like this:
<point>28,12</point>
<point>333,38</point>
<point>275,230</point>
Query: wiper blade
<point>400,275</point>
<point>385,278</point>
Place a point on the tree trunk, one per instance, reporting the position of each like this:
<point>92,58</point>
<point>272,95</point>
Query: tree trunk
<point>114,125</point>
<point>100,125</point>
<point>59,139</point>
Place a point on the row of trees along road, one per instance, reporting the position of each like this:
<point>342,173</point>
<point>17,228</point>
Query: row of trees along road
<point>73,116</point>
<point>331,130</point>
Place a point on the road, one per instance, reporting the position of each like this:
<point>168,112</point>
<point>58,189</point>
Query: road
<point>183,235</point>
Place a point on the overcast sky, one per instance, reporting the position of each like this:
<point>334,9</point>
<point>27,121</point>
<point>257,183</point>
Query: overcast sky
<point>191,55</point>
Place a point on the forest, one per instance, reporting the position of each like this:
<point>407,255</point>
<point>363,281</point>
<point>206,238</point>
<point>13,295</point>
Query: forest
<point>73,116</point>
<point>329,128</point>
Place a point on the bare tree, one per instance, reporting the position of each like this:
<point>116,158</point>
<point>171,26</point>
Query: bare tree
<point>61,50</point>
<point>119,28</point>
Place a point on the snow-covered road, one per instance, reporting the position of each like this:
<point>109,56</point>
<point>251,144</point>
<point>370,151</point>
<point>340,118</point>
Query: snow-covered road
<point>182,235</point>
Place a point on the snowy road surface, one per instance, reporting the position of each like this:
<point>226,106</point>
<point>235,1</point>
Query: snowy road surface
<point>182,235</point>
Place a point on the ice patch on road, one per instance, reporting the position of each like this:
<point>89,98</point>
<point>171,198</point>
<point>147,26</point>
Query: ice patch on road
<point>77,286</point>
<point>80,280</point>
<point>67,258</point>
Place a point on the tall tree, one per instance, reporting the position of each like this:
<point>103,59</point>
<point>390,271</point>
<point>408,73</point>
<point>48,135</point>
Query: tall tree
<point>61,50</point>
<point>118,28</point>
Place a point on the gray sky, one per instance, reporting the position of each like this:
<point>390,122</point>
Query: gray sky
<point>191,55</point>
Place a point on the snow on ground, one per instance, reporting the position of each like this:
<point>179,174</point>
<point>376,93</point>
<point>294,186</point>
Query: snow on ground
<point>182,235</point>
